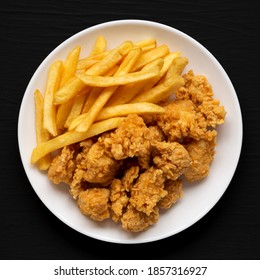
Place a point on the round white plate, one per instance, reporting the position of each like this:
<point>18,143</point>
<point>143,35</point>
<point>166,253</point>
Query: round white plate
<point>200,197</point>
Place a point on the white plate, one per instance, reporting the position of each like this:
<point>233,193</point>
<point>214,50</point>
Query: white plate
<point>198,199</point>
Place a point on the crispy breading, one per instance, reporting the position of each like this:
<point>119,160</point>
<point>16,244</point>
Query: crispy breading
<point>136,221</point>
<point>148,190</point>
<point>182,120</point>
<point>174,193</point>
<point>172,158</point>
<point>94,166</point>
<point>202,154</point>
<point>94,202</point>
<point>199,91</point>
<point>63,166</point>
<point>119,199</point>
<point>120,190</point>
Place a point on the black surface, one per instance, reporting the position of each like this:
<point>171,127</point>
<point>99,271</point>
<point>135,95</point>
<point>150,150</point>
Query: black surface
<point>30,30</point>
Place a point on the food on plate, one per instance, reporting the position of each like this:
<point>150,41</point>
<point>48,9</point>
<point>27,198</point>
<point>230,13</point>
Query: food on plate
<point>124,128</point>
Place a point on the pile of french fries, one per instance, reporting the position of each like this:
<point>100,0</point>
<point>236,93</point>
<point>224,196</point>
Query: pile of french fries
<point>87,96</point>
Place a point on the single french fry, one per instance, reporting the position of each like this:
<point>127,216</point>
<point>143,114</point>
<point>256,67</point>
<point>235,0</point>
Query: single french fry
<point>49,108</point>
<point>63,112</point>
<point>146,42</point>
<point>100,102</point>
<point>125,109</point>
<point>100,46</point>
<point>151,55</point>
<point>86,64</point>
<point>146,45</point>
<point>42,135</point>
<point>70,66</point>
<point>76,109</point>
<point>93,95</point>
<point>104,81</point>
<point>72,137</point>
<point>176,69</point>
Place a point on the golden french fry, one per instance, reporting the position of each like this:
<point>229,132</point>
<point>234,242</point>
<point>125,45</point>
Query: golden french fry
<point>125,109</point>
<point>123,49</point>
<point>126,93</point>
<point>167,61</point>
<point>87,62</point>
<point>76,108</point>
<point>42,135</point>
<point>100,102</point>
<point>72,137</point>
<point>170,84</point>
<point>75,85</point>
<point>49,108</point>
<point>100,46</point>
<point>70,66</point>
<point>63,112</point>
<point>145,43</point>
<point>151,55</point>
<point>104,81</point>
<point>176,69</point>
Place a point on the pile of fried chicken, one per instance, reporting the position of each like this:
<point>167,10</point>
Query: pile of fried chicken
<point>129,173</point>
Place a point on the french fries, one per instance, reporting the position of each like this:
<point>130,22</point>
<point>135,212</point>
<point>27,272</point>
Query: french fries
<point>42,135</point>
<point>126,109</point>
<point>49,108</point>
<point>86,96</point>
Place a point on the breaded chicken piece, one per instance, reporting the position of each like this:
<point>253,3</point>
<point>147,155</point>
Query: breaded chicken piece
<point>99,167</point>
<point>94,202</point>
<point>148,190</point>
<point>181,119</point>
<point>199,91</point>
<point>172,158</point>
<point>129,177</point>
<point>174,193</point>
<point>120,189</point>
<point>131,139</point>
<point>136,221</point>
<point>119,199</point>
<point>78,183</point>
<point>94,166</point>
<point>202,154</point>
<point>63,166</point>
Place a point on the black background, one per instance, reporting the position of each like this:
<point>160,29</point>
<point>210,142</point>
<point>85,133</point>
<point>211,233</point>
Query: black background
<point>31,30</point>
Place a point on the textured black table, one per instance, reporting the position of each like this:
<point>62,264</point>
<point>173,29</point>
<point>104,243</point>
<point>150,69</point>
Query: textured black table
<point>29,31</point>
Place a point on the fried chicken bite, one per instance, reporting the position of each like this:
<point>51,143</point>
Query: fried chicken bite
<point>63,165</point>
<point>174,193</point>
<point>119,199</point>
<point>99,166</point>
<point>172,158</point>
<point>94,202</point>
<point>129,139</point>
<point>120,190</point>
<point>199,91</point>
<point>78,183</point>
<point>94,166</point>
<point>202,154</point>
<point>182,120</point>
<point>136,221</point>
<point>148,190</point>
